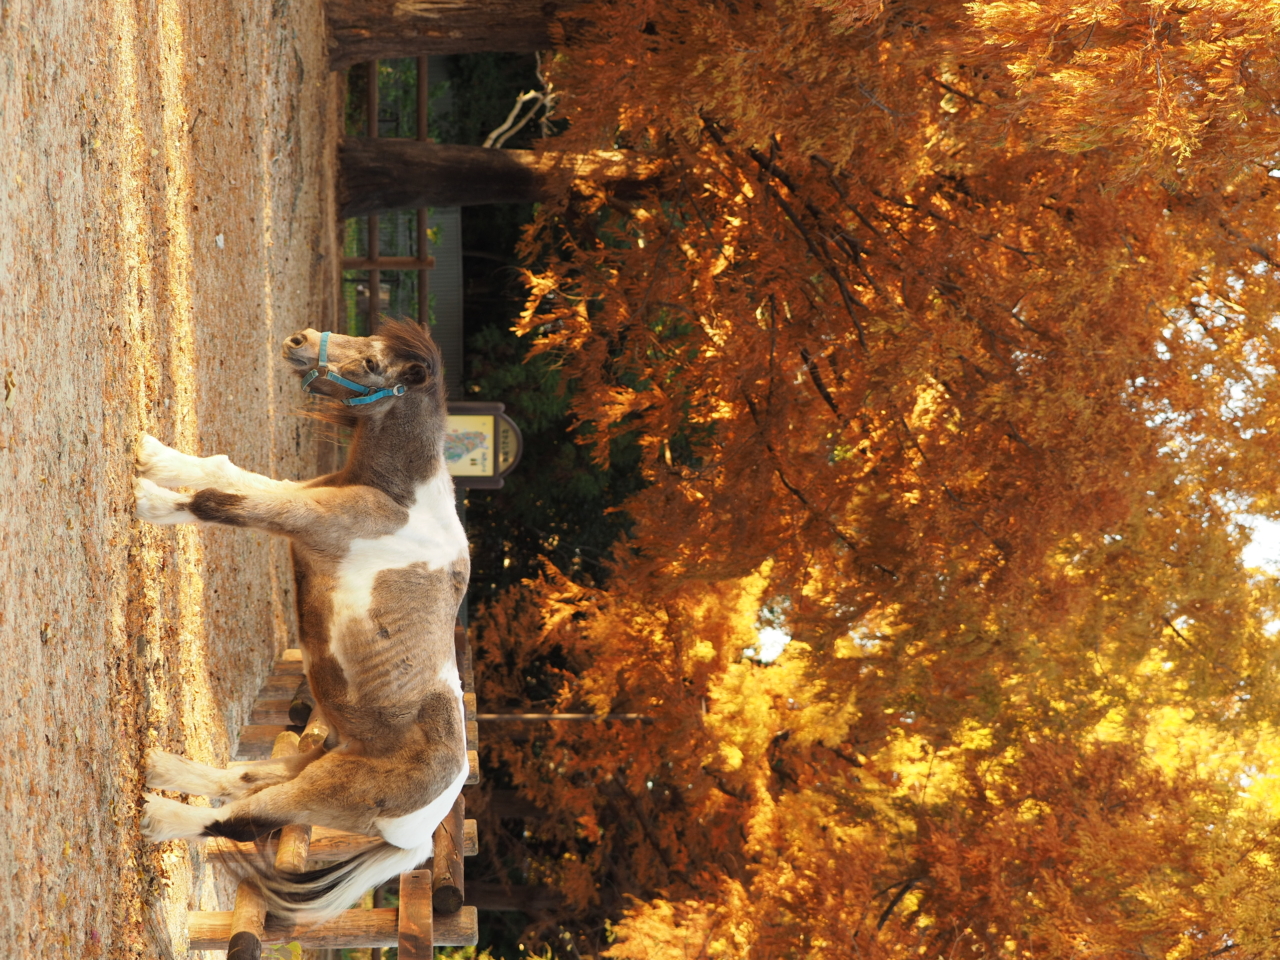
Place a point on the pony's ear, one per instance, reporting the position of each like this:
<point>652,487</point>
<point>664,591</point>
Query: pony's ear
<point>414,374</point>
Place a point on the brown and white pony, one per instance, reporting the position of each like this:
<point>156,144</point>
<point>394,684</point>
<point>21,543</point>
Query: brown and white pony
<point>381,564</point>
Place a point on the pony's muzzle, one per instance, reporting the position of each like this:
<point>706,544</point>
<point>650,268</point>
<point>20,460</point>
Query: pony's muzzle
<point>301,348</point>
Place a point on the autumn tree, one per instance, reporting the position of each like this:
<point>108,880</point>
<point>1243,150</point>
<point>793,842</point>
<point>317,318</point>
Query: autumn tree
<point>947,338</point>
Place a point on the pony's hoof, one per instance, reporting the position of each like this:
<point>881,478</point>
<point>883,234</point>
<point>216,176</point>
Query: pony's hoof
<point>163,465</point>
<point>164,819</point>
<point>150,454</point>
<point>166,771</point>
<point>158,505</point>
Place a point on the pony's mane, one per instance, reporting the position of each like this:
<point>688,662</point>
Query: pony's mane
<point>409,341</point>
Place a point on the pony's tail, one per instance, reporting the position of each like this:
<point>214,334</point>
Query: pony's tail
<point>319,895</point>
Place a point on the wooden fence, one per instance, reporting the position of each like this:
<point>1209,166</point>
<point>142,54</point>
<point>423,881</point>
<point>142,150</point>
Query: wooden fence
<point>430,911</point>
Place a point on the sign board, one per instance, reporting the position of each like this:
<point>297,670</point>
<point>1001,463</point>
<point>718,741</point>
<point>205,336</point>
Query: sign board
<point>481,444</point>
<point>470,446</point>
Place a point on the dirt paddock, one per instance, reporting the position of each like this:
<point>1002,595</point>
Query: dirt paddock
<point>166,177</point>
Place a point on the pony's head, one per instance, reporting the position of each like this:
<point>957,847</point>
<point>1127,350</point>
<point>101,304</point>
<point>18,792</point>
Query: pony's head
<point>368,375</point>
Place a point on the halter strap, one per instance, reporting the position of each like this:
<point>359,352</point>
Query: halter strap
<point>363,394</point>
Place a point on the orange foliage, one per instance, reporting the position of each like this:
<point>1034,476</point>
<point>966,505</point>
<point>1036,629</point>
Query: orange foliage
<point>950,339</point>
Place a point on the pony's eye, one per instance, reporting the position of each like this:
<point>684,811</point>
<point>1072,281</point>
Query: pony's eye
<point>371,366</point>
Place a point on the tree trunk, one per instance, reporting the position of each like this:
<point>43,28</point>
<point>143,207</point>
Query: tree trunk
<point>496,896</point>
<point>361,30</point>
<point>380,175</point>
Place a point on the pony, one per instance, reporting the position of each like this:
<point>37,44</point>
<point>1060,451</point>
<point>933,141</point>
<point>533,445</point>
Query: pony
<point>381,563</point>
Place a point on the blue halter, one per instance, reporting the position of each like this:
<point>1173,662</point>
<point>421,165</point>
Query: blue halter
<point>363,394</point>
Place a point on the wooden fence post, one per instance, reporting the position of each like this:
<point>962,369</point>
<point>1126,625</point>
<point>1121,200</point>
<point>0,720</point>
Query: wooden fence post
<point>447,885</point>
<point>416,939</point>
<point>431,911</point>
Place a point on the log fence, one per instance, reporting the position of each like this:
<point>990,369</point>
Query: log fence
<point>430,913</point>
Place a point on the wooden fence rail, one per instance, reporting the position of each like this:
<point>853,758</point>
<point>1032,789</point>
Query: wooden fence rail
<point>430,912</point>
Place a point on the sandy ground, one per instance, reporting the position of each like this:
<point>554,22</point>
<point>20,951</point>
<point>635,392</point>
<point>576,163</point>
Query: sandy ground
<point>165,185</point>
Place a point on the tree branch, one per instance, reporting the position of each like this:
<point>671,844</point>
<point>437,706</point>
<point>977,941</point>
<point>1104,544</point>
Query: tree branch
<point>646,827</point>
<point>768,166</point>
<point>816,376</point>
<point>906,888</point>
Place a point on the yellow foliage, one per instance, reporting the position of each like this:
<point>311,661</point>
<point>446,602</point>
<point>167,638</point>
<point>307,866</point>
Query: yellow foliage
<point>952,343</point>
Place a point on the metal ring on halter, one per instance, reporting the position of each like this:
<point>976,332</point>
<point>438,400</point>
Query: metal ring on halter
<point>364,394</point>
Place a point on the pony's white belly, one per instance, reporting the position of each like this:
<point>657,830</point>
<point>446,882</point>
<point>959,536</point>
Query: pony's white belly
<point>414,830</point>
<point>433,535</point>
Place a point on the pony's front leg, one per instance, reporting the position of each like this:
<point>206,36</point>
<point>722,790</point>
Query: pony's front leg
<point>156,504</point>
<point>328,517</point>
<point>166,507</point>
<point>168,468</point>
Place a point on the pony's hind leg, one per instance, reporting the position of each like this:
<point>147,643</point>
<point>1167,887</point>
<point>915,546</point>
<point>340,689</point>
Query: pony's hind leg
<point>259,811</point>
<point>165,819</point>
<point>254,816</point>
<point>168,771</point>
<point>339,790</point>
